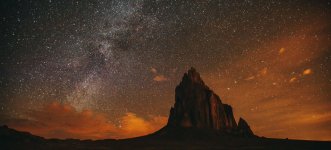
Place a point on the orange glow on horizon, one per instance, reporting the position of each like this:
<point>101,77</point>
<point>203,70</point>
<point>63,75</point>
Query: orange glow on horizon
<point>63,121</point>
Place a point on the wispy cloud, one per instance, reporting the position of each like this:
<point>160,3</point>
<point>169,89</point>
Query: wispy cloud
<point>153,70</point>
<point>160,78</point>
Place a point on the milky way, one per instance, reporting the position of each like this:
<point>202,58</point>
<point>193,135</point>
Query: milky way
<point>121,60</point>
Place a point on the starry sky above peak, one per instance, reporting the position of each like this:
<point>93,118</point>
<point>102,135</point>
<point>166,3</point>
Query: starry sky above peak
<point>120,61</point>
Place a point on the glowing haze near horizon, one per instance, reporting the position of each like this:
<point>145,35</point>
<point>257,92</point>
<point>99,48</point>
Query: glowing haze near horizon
<point>108,69</point>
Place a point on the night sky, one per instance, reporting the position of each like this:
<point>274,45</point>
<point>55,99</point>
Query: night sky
<point>108,69</point>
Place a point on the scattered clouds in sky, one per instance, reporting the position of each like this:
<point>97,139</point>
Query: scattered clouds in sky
<point>280,87</point>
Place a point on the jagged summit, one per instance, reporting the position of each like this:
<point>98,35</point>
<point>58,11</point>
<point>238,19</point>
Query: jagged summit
<point>193,77</point>
<point>197,106</point>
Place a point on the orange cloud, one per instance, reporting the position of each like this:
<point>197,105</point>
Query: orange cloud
<point>307,72</point>
<point>293,79</point>
<point>160,78</point>
<point>64,121</point>
<point>281,50</point>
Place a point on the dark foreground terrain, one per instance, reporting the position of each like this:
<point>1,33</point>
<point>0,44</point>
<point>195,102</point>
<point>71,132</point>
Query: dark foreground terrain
<point>183,139</point>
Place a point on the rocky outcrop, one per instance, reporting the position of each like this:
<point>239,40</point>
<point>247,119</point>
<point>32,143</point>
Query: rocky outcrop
<point>197,106</point>
<point>244,129</point>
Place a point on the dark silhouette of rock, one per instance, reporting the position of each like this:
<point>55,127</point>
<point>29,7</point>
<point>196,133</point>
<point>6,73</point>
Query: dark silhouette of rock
<point>11,134</point>
<point>197,106</point>
<point>244,128</point>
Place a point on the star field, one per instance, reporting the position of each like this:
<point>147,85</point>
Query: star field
<point>121,61</point>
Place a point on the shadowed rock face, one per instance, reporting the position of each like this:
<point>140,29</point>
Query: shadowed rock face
<point>199,107</point>
<point>244,128</point>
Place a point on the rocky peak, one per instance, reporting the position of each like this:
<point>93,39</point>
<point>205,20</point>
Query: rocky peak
<point>192,77</point>
<point>196,106</point>
<point>244,128</point>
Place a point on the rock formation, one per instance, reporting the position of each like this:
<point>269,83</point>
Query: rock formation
<point>197,106</point>
<point>244,128</point>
